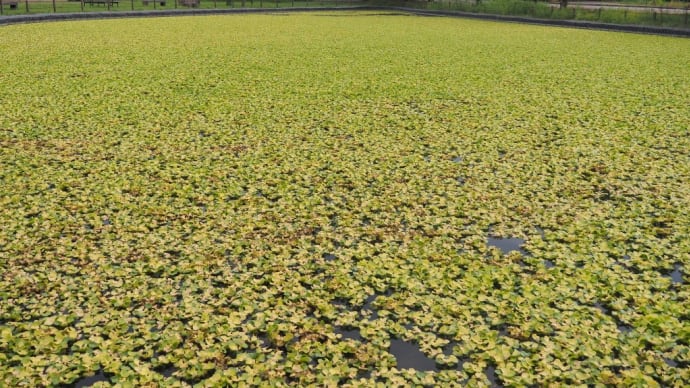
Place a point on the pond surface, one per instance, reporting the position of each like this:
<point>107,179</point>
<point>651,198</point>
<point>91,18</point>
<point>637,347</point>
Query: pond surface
<point>490,372</point>
<point>409,356</point>
<point>91,380</point>
<point>329,256</point>
<point>168,371</point>
<point>348,333</point>
<point>676,276</point>
<point>506,245</point>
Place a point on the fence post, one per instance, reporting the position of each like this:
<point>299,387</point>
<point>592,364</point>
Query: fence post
<point>54,8</point>
<point>131,2</point>
<point>1,10</point>
<point>27,5</point>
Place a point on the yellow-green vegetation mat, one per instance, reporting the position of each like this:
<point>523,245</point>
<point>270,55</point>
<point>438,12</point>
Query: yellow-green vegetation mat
<point>342,199</point>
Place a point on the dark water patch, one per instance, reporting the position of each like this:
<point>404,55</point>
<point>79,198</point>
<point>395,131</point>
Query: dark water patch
<point>670,362</point>
<point>624,329</point>
<point>457,159</point>
<point>507,245</point>
<point>502,330</point>
<point>329,256</point>
<point>461,180</point>
<point>341,304</point>
<point>369,305</point>
<point>173,252</point>
<point>408,355</point>
<point>496,285</point>
<point>448,349</point>
<point>220,283</point>
<point>549,263</point>
<point>349,333</point>
<point>89,381</point>
<point>490,373</point>
<point>265,342</point>
<point>167,370</point>
<point>364,374</point>
<point>461,364</point>
<point>676,275</point>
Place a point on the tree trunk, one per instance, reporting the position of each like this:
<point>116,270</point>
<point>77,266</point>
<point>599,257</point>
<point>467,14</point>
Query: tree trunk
<point>564,3</point>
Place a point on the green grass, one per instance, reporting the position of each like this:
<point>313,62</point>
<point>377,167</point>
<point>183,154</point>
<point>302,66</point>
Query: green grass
<point>217,200</point>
